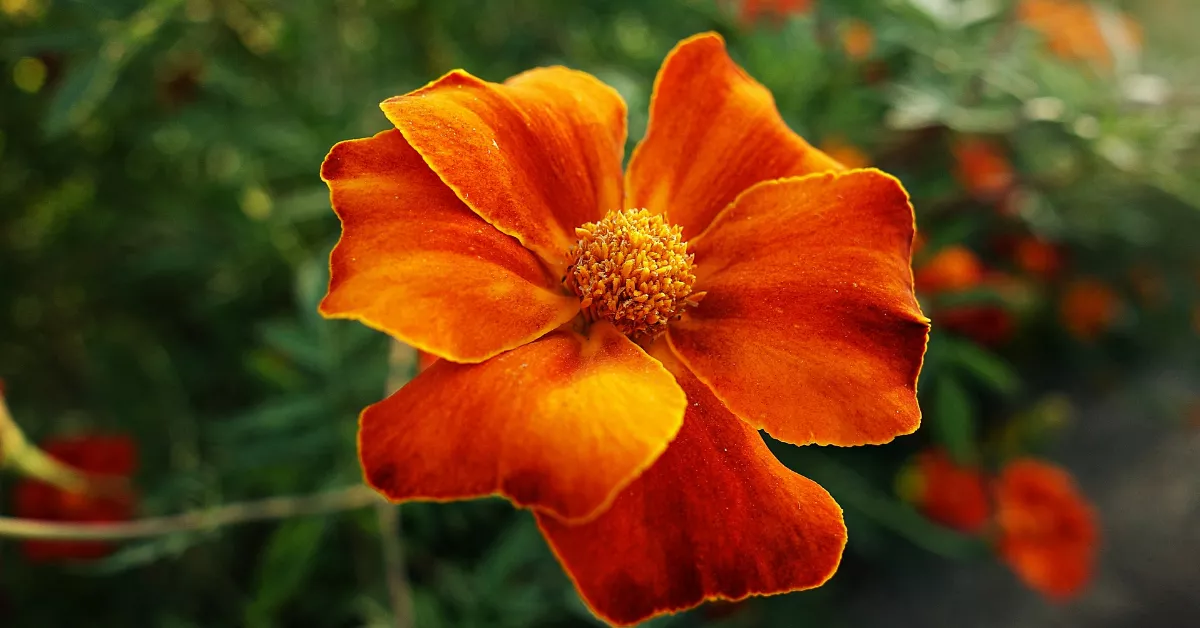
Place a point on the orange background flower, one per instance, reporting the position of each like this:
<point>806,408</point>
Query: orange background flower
<point>1048,531</point>
<point>101,455</point>
<point>982,168</point>
<point>1038,257</point>
<point>858,39</point>
<point>1073,31</point>
<point>953,495</point>
<point>1088,308</point>
<point>952,269</point>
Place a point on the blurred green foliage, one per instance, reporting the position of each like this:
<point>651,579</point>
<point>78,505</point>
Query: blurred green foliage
<point>165,236</point>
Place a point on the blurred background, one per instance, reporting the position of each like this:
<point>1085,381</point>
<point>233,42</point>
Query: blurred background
<point>164,239</point>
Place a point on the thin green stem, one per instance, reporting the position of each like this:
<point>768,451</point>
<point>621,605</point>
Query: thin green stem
<point>349,498</point>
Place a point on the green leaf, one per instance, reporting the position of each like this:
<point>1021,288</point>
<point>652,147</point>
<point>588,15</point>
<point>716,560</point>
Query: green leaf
<point>296,343</point>
<point>986,367</point>
<point>954,420</point>
<point>86,86</point>
<point>305,204</point>
<point>286,565</point>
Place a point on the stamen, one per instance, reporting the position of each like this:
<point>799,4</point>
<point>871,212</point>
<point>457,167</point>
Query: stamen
<point>632,268</point>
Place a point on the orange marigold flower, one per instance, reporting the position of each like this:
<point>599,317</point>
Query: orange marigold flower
<point>1038,257</point>
<point>1048,531</point>
<point>982,168</point>
<point>845,153</point>
<point>1073,31</point>
<point>858,39</point>
<point>101,455</point>
<point>735,278</point>
<point>953,495</point>
<point>1088,308</point>
<point>953,269</point>
<point>989,325</point>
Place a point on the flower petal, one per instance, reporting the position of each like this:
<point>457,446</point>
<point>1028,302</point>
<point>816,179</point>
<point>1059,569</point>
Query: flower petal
<point>716,517</point>
<point>713,133</point>
<point>416,263</point>
<point>536,156</point>
<point>810,329</point>
<point>561,424</point>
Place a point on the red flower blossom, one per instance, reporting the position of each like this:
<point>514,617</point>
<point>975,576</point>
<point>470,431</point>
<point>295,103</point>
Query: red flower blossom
<point>1073,31</point>
<point>113,456</point>
<point>1048,531</point>
<point>989,325</point>
<point>952,495</point>
<point>609,367</point>
<point>1038,257</point>
<point>983,169</point>
<point>858,39</point>
<point>953,269</point>
<point>1088,308</point>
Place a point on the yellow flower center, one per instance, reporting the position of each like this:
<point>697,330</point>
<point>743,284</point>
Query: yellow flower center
<point>632,268</point>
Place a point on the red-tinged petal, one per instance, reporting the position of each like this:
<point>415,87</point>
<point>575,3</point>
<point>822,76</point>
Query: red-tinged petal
<point>561,424</point>
<point>535,156</point>
<point>1048,531</point>
<point>810,329</point>
<point>716,517</point>
<point>416,263</point>
<point>713,133</point>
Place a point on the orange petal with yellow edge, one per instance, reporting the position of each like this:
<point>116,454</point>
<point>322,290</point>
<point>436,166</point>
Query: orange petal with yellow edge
<point>713,133</point>
<point>535,156</point>
<point>561,425</point>
<point>716,517</point>
<point>1048,531</point>
<point>414,262</point>
<point>810,328</point>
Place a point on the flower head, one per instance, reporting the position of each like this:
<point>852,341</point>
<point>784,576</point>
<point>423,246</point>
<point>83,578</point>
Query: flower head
<point>611,342</point>
<point>951,494</point>
<point>1038,257</point>
<point>1073,30</point>
<point>111,456</point>
<point>1048,531</point>
<point>952,269</point>
<point>989,325</point>
<point>1088,308</point>
<point>858,39</point>
<point>982,168</point>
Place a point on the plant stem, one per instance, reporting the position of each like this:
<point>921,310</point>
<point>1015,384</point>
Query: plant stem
<point>349,498</point>
<point>401,362</point>
<point>16,453</point>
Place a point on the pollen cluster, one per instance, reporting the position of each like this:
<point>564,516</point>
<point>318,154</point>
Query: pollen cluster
<point>632,268</point>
